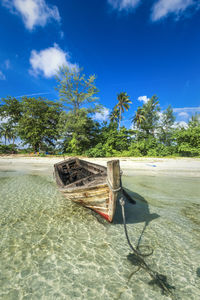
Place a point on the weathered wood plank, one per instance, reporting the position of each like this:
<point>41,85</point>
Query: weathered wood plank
<point>114,183</point>
<point>98,191</point>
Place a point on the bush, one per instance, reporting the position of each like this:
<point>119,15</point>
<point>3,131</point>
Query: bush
<point>134,150</point>
<point>185,149</point>
<point>25,151</point>
<point>8,149</point>
<point>163,150</point>
<point>97,151</point>
<point>152,152</point>
<point>42,154</point>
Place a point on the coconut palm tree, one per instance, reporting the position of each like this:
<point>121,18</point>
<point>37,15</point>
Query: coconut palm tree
<point>195,120</point>
<point>114,115</point>
<point>139,117</point>
<point>6,131</point>
<point>123,104</point>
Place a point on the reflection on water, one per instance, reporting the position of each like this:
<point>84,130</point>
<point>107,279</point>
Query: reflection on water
<point>54,249</point>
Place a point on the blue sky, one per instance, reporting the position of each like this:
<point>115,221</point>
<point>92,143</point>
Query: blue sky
<point>142,47</point>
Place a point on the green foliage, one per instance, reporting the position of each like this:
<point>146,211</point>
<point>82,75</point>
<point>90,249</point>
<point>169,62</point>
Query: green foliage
<point>123,104</point>
<point>97,151</point>
<point>113,142</point>
<point>79,132</point>
<point>6,131</point>
<point>75,90</point>
<point>165,129</point>
<point>144,146</point>
<point>11,109</point>
<point>76,127</point>
<point>25,151</point>
<point>42,124</point>
<point>148,117</point>
<point>114,115</point>
<point>134,149</point>
<point>163,150</point>
<point>42,154</point>
<point>150,147</point>
<point>38,123</point>
<point>188,141</point>
<point>195,120</point>
<point>139,117</point>
<point>8,149</point>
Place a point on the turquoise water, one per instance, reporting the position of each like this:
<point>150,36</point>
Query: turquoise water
<point>54,249</point>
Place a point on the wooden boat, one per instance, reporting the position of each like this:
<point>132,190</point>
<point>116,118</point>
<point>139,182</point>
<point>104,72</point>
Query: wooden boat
<point>91,185</point>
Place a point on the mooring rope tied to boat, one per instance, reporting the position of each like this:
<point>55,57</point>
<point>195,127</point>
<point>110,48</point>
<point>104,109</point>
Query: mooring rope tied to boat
<point>111,188</point>
<point>159,279</point>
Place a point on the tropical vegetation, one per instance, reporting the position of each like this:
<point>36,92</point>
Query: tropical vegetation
<point>68,125</point>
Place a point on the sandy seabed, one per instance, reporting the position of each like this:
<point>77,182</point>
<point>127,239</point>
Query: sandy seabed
<point>187,167</point>
<point>55,249</point>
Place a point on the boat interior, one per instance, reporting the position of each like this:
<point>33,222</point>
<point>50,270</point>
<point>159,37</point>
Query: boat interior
<point>77,173</point>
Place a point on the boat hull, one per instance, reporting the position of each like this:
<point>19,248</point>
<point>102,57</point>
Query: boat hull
<point>98,198</point>
<point>93,191</point>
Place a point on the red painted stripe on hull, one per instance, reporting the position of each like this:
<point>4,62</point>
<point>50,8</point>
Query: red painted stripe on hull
<point>105,216</point>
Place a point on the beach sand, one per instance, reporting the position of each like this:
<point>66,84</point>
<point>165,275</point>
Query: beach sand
<point>130,166</point>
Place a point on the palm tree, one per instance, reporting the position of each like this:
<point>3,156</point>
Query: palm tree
<point>13,134</point>
<point>139,117</point>
<point>123,104</point>
<point>195,120</point>
<point>114,115</point>
<point>6,131</point>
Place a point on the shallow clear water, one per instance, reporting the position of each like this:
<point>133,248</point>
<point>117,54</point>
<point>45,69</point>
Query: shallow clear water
<point>51,248</point>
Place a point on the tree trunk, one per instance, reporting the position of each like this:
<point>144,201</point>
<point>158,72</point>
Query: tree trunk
<point>120,116</point>
<point>13,145</point>
<point>36,147</point>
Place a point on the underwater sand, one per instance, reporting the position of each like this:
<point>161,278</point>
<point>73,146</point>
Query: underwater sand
<point>51,248</point>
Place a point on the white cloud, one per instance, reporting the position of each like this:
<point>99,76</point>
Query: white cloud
<point>183,114</point>
<point>181,124</point>
<point>2,76</point>
<point>123,4</point>
<point>187,109</point>
<point>143,99</point>
<point>30,95</point>
<point>103,115</point>
<point>164,7</point>
<point>33,12</point>
<point>47,61</point>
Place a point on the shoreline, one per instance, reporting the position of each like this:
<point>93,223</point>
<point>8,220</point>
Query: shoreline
<point>131,166</point>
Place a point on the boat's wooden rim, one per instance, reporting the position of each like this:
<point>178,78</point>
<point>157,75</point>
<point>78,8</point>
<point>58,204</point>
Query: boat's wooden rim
<point>73,187</point>
<point>98,190</point>
<point>102,168</point>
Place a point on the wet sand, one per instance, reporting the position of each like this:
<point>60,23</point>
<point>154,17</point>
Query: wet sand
<point>130,166</point>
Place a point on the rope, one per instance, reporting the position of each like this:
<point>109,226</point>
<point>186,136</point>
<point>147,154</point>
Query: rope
<point>110,185</point>
<point>122,203</point>
<point>111,188</point>
<point>159,279</point>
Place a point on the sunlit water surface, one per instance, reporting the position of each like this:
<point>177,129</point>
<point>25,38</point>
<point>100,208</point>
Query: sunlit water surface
<point>51,248</point>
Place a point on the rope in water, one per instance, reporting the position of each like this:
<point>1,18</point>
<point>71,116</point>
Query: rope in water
<point>122,203</point>
<point>159,279</point>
